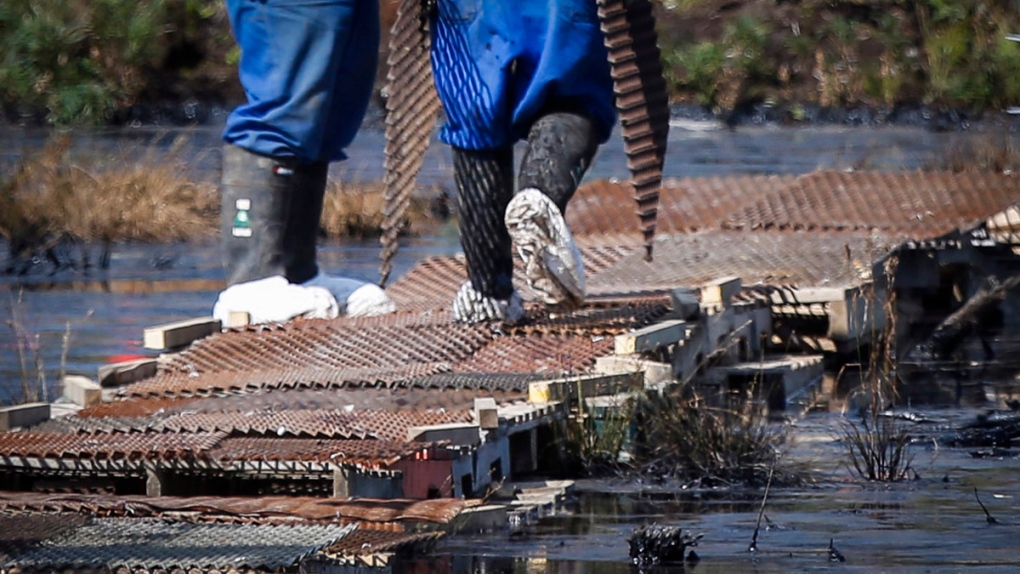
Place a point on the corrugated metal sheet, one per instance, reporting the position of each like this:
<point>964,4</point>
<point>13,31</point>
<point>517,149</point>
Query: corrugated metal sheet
<point>148,543</point>
<point>440,511</point>
<point>364,542</point>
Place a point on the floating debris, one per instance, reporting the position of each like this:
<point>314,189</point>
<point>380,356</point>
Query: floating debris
<point>656,544</point>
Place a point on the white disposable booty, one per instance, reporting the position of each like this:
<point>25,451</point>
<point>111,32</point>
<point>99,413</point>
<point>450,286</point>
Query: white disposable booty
<point>358,298</point>
<point>470,306</point>
<point>275,300</point>
<point>552,262</point>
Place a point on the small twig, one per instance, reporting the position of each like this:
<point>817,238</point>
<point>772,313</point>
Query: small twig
<point>761,511</point>
<point>988,517</point>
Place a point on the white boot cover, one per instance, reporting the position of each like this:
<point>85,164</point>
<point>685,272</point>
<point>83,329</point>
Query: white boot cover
<point>552,262</point>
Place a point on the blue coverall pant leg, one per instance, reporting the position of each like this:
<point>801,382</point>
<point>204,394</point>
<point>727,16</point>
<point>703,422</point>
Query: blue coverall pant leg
<point>500,65</point>
<point>308,69</point>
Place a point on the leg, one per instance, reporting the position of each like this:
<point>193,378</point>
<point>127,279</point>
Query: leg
<point>559,151</point>
<point>307,67</point>
<point>560,148</point>
<point>484,186</point>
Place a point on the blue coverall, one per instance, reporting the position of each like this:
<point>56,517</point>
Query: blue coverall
<point>499,65</point>
<point>308,67</point>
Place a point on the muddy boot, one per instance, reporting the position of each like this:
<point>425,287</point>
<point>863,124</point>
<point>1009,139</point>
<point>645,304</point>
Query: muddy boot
<point>484,185</point>
<point>269,218</point>
<point>559,150</point>
<point>261,200</point>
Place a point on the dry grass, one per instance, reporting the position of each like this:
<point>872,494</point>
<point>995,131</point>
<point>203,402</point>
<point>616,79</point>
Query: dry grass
<point>878,448</point>
<point>996,152</point>
<point>56,199</point>
<point>58,203</point>
<point>356,211</point>
<point>685,437</point>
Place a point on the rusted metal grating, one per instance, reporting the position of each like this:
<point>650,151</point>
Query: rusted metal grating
<point>487,382</point>
<point>916,205</point>
<point>374,399</point>
<point>363,542</point>
<point>404,350</point>
<point>95,425</point>
<point>109,544</point>
<point>107,446</point>
<point>311,509</point>
<point>597,320</point>
<point>338,424</point>
<point>551,355</point>
<point>831,259</point>
<point>921,205</point>
<point>412,107</point>
<point>367,453</point>
<point>127,409</point>
<point>641,100</point>
<point>21,530</point>
<point>432,284</point>
<point>330,344</point>
<point>687,205</point>
<point>259,378</point>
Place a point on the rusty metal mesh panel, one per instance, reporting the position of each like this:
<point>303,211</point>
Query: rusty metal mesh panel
<point>337,424</point>
<point>641,100</point>
<point>259,378</point>
<point>918,205</point>
<point>428,397</point>
<point>368,453</point>
<point>364,542</point>
<point>686,205</point>
<point>412,106</point>
<point>107,446</point>
<point>487,382</point>
<point>764,258</point>
<point>432,284</point>
<point>552,355</point>
<point>264,507</point>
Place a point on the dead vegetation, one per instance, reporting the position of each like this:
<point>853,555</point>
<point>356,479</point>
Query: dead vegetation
<point>58,205</point>
<point>878,447</point>
<point>683,436</point>
<point>61,205</point>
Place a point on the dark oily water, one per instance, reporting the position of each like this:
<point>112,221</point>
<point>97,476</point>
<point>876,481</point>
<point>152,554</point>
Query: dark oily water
<point>932,523</point>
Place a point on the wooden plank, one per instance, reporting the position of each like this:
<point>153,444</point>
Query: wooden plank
<point>651,337</point>
<point>126,372</point>
<point>720,291</point>
<point>588,386</point>
<point>180,333</point>
<point>82,391</point>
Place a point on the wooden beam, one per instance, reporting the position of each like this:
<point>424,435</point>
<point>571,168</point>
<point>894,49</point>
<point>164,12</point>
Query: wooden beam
<point>180,333</point>
<point>651,337</point>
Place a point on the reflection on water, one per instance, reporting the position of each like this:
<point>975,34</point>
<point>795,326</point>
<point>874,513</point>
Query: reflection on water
<point>929,524</point>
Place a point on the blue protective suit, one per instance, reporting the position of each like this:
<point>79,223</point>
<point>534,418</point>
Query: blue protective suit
<point>308,68</point>
<point>499,65</point>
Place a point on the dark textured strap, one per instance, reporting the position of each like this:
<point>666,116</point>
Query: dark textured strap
<point>412,106</point>
<point>641,99</point>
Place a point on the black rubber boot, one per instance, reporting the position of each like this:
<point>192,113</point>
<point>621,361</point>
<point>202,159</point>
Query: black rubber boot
<point>485,184</point>
<point>269,216</point>
<point>559,151</point>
